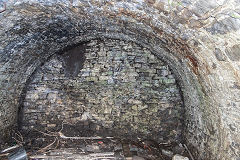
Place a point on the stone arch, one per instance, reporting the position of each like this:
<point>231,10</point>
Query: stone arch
<point>143,41</point>
<point>30,40</point>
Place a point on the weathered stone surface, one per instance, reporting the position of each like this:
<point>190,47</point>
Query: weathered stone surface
<point>219,55</point>
<point>120,95</point>
<point>233,53</point>
<point>167,153</point>
<point>179,157</point>
<point>32,31</point>
<point>92,148</point>
<point>137,158</point>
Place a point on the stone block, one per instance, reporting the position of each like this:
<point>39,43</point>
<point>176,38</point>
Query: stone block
<point>103,78</point>
<point>219,55</point>
<point>179,157</point>
<point>93,79</point>
<point>111,88</point>
<point>233,53</point>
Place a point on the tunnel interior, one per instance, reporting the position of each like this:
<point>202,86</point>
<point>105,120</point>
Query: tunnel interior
<point>149,75</point>
<point>121,84</point>
<point>104,87</point>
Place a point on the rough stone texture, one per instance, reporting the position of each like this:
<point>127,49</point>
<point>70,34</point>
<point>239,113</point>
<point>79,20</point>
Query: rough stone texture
<point>234,52</point>
<point>121,86</point>
<point>179,157</point>
<point>183,34</point>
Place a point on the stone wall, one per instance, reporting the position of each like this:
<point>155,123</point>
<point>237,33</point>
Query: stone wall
<point>120,86</point>
<point>199,40</point>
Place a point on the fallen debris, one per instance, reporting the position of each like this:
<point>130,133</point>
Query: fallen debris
<point>167,153</point>
<point>190,154</point>
<point>92,156</point>
<point>179,157</point>
<point>48,146</point>
<point>9,149</point>
<point>18,154</point>
<point>62,136</point>
<point>67,143</point>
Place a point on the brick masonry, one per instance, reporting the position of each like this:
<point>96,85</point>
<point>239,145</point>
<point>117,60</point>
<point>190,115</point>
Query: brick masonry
<point>198,39</point>
<point>118,85</point>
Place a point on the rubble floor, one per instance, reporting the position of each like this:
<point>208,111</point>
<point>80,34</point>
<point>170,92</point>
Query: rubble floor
<point>72,143</point>
<point>55,148</point>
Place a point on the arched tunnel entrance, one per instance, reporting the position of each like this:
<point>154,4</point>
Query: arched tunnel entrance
<point>104,87</point>
<point>156,79</point>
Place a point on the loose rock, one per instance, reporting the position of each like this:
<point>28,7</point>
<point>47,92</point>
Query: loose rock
<point>179,157</point>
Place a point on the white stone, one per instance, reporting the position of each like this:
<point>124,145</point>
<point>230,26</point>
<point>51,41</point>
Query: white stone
<point>179,157</point>
<point>86,116</point>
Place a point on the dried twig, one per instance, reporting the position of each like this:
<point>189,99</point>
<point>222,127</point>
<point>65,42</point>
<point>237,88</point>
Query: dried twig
<point>4,155</point>
<point>102,154</point>
<point>61,135</point>
<point>19,135</point>
<point>188,151</point>
<point>97,158</point>
<point>19,142</point>
<point>44,157</point>
<point>45,148</point>
<point>10,148</point>
<point>94,156</point>
<point>57,144</point>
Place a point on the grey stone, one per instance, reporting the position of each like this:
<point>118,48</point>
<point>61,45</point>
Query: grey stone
<point>233,53</point>
<point>92,148</point>
<point>118,147</point>
<point>219,55</point>
<point>137,158</point>
<point>201,7</point>
<point>32,31</point>
<point>224,26</point>
<point>179,149</point>
<point>167,153</point>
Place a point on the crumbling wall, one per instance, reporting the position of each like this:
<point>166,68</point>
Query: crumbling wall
<point>121,86</point>
<point>199,40</point>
